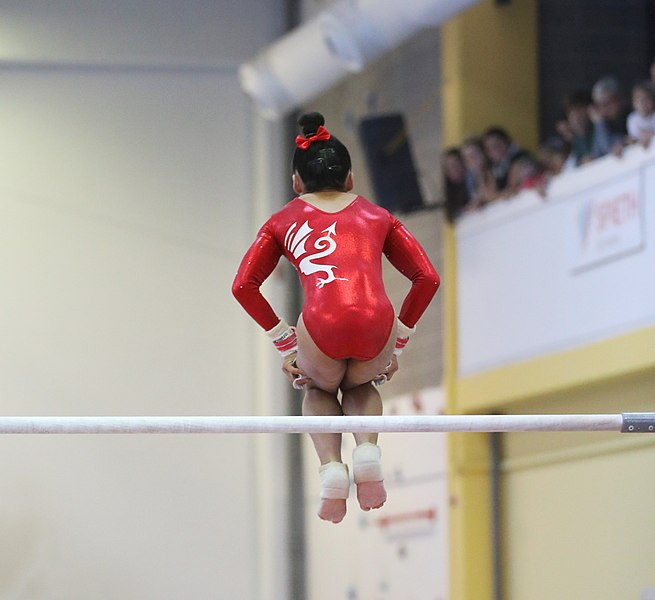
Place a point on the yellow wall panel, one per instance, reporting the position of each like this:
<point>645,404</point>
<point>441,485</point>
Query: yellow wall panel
<point>609,359</point>
<point>490,72</point>
<point>582,528</point>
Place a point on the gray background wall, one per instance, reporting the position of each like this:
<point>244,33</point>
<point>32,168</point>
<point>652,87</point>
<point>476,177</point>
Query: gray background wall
<point>129,189</point>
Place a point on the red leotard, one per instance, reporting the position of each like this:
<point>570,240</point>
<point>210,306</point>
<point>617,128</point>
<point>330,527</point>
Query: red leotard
<point>339,260</point>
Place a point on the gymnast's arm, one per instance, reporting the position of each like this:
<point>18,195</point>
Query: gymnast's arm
<point>257,264</point>
<point>406,254</point>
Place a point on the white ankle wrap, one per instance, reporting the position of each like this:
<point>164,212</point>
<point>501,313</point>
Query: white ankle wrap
<point>366,463</point>
<point>335,481</point>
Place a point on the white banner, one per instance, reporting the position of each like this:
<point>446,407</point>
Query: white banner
<point>609,222</point>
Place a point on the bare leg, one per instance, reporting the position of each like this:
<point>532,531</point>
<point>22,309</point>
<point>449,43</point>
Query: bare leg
<point>335,481</point>
<point>321,400</point>
<point>362,398</point>
<point>321,395</point>
<point>367,469</point>
<point>318,402</point>
<point>359,398</point>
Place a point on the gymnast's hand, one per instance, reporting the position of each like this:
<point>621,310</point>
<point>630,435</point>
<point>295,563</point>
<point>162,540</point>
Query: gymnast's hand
<point>392,368</point>
<point>388,372</point>
<point>295,375</point>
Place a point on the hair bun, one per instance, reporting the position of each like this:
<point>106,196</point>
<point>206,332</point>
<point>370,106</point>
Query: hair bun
<point>310,122</point>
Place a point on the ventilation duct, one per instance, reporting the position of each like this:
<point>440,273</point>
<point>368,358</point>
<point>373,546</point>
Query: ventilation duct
<point>339,41</point>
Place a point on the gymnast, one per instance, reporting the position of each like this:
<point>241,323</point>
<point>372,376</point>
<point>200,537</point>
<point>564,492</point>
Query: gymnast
<point>347,336</point>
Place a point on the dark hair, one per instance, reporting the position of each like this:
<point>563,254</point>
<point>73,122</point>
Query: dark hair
<point>326,163</point>
<point>498,132</point>
<point>577,99</point>
<point>555,145</point>
<point>453,151</point>
<point>455,192</point>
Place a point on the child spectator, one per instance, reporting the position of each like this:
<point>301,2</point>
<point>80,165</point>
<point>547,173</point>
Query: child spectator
<point>641,121</point>
<point>455,189</point>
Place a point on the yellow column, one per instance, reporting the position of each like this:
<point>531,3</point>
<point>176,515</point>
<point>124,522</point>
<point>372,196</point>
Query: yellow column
<point>471,573</point>
<point>489,71</point>
<point>489,77</point>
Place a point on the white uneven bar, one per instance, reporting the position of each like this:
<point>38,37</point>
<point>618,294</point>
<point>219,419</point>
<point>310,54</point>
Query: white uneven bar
<point>297,424</point>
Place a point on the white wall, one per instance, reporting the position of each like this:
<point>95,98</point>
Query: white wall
<point>128,190</point>
<point>154,32</point>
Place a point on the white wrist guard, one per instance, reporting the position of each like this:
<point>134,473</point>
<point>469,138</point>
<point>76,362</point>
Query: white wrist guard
<point>402,337</point>
<point>284,338</point>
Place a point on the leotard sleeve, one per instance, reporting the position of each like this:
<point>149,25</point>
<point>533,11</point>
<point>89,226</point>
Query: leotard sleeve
<point>257,264</point>
<point>406,254</point>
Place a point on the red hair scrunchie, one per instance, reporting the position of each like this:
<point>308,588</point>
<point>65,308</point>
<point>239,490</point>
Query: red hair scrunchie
<point>321,134</point>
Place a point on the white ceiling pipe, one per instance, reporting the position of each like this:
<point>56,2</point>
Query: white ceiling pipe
<point>341,40</point>
<point>397,21</point>
<point>292,70</point>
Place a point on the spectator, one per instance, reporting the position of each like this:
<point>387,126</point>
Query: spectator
<point>641,121</point>
<point>554,155</point>
<point>455,189</point>
<point>592,125</point>
<point>580,127</point>
<point>500,149</point>
<point>479,178</point>
<point>563,128</point>
<point>525,172</point>
<point>608,114</point>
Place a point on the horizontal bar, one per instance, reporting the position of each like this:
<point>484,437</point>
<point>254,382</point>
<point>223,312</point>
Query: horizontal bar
<point>309,424</point>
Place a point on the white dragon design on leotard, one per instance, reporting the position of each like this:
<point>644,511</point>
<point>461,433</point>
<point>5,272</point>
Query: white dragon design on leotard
<point>295,241</point>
